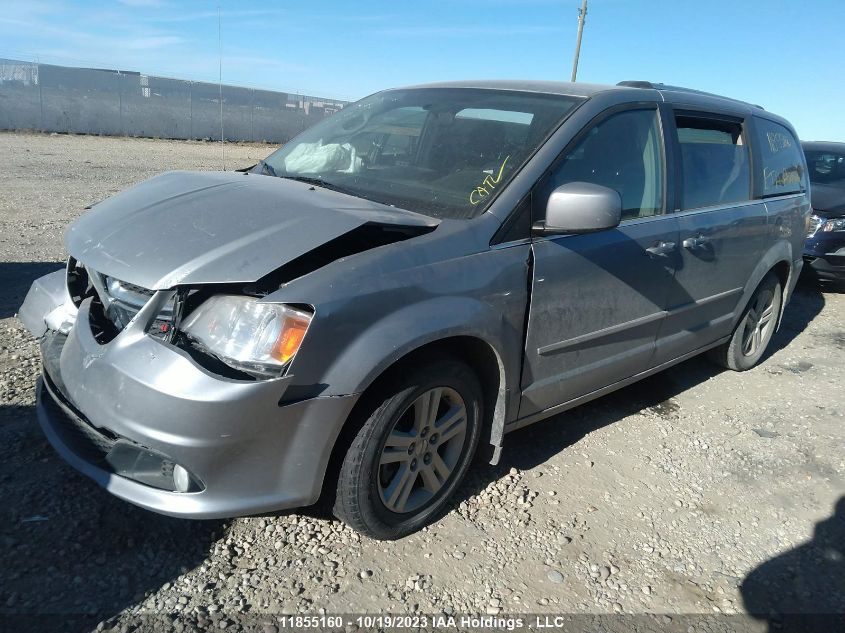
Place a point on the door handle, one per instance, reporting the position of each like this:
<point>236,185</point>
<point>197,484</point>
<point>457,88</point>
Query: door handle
<point>695,242</point>
<point>661,250</point>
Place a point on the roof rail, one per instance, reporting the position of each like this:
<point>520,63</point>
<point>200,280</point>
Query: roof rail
<point>657,86</point>
<point>635,83</point>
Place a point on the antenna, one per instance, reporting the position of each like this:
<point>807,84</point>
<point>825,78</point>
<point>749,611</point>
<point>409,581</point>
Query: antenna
<point>220,86</point>
<point>582,16</point>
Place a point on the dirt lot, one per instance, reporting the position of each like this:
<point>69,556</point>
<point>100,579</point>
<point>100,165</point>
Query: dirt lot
<point>696,491</point>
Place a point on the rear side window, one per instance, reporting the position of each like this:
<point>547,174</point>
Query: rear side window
<point>782,169</point>
<point>714,161</point>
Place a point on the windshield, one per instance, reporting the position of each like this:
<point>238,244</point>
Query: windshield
<point>825,167</point>
<point>443,152</point>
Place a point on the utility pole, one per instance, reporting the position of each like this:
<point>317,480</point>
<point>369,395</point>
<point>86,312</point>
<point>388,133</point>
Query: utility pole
<point>220,87</point>
<point>582,16</point>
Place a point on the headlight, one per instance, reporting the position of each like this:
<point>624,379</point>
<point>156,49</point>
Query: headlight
<point>834,225</point>
<point>812,224</point>
<point>259,338</point>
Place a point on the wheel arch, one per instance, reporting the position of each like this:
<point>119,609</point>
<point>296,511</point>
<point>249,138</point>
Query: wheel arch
<point>480,355</point>
<point>777,260</point>
<point>487,364</point>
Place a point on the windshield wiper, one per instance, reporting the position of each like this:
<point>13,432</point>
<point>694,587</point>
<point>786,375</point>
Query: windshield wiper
<point>319,182</point>
<point>267,168</point>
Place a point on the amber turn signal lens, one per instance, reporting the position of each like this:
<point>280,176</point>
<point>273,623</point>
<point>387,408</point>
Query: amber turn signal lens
<point>290,339</point>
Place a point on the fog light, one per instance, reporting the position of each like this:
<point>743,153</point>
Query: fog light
<point>181,479</point>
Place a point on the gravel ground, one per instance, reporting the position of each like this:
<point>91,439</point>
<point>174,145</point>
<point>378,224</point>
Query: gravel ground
<point>697,491</point>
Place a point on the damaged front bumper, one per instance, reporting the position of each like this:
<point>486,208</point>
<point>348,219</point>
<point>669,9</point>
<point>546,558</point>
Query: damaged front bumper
<point>132,412</point>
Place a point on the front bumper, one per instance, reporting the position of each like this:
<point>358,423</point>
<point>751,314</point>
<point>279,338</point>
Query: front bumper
<point>824,255</point>
<point>250,453</point>
<point>831,268</point>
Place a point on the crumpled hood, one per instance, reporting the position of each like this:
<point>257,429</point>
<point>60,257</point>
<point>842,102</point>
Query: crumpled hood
<point>216,227</point>
<point>828,200</point>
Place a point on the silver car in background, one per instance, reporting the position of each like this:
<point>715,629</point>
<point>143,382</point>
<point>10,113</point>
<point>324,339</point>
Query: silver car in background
<point>394,290</point>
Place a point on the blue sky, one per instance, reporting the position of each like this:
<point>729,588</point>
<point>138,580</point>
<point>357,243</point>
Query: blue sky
<point>784,55</point>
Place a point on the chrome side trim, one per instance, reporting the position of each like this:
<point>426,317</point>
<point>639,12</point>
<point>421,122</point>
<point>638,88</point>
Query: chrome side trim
<point>680,213</point>
<point>608,331</point>
<point>700,302</point>
<point>785,196</point>
<point>570,404</point>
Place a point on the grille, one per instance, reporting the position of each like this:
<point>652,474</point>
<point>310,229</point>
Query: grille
<point>125,300</point>
<point>121,301</point>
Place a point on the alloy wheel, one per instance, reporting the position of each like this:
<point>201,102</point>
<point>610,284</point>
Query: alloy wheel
<point>759,322</point>
<point>422,450</point>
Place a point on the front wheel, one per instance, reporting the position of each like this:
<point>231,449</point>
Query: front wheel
<point>411,452</point>
<point>752,334</point>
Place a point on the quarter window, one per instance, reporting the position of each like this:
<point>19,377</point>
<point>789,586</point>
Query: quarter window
<point>714,162</point>
<point>782,171</point>
<point>623,152</point>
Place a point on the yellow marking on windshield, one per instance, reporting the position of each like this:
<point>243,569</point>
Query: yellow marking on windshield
<point>487,185</point>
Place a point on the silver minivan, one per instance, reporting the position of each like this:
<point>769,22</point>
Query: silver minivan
<point>390,293</point>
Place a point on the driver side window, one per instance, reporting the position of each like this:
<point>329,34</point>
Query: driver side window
<point>623,152</point>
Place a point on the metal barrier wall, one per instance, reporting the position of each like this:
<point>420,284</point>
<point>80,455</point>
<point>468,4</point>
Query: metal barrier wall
<point>118,103</point>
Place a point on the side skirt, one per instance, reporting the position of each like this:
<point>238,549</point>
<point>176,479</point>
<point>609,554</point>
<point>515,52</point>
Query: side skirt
<point>598,393</point>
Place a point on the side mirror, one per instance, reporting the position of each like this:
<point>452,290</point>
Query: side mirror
<point>580,207</point>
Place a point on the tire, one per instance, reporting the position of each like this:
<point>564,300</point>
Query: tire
<point>752,334</point>
<point>408,457</point>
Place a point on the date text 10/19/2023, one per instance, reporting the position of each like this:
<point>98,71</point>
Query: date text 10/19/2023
<point>439,622</point>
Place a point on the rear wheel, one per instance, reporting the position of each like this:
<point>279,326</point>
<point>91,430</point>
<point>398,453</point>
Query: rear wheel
<point>752,334</point>
<point>411,452</point>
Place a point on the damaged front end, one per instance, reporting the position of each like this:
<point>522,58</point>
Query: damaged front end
<point>48,305</point>
<point>50,312</point>
<point>166,363</point>
<point>151,411</point>
<point>228,331</point>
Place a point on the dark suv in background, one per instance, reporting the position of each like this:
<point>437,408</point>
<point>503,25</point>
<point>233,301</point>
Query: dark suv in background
<point>824,251</point>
